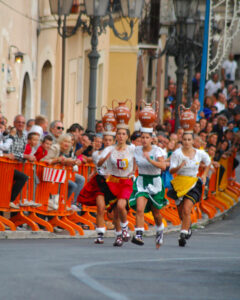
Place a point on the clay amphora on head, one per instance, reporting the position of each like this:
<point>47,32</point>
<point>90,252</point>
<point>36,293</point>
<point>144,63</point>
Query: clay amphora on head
<point>121,112</point>
<point>147,115</point>
<point>187,118</point>
<point>108,119</point>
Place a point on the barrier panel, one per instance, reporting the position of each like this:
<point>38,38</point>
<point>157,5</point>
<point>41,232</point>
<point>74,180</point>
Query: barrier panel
<point>47,189</point>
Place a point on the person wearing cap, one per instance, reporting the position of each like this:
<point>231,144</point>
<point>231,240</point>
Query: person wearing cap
<point>96,191</point>
<point>121,167</point>
<point>187,187</point>
<point>148,190</point>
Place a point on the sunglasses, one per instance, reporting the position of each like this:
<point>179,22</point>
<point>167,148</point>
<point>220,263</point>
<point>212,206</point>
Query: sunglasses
<point>59,128</point>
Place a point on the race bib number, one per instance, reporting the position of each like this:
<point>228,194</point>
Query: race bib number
<point>122,164</point>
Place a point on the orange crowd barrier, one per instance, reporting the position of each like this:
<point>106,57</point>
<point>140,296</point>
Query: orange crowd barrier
<point>43,190</point>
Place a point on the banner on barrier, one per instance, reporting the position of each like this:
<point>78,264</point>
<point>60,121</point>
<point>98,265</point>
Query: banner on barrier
<point>54,175</point>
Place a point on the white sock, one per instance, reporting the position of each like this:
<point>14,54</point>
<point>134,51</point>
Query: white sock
<point>139,229</point>
<point>160,228</point>
<point>123,225</point>
<point>100,230</point>
<point>118,233</point>
<point>184,231</point>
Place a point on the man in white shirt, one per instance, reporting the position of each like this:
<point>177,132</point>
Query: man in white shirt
<point>229,68</point>
<point>221,103</point>
<point>212,86</point>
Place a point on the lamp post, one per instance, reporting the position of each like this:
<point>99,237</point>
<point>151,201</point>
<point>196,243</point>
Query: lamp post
<point>96,10</point>
<point>185,11</point>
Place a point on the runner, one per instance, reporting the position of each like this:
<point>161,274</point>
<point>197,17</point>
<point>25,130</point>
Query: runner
<point>96,191</point>
<point>187,187</point>
<point>120,166</point>
<point>148,190</point>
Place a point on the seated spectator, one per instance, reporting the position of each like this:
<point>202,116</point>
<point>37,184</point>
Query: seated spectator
<point>42,150</point>
<point>32,143</point>
<point>17,152</point>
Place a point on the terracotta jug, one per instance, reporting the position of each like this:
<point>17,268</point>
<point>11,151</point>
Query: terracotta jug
<point>187,118</point>
<point>109,121</point>
<point>122,113</point>
<point>147,115</point>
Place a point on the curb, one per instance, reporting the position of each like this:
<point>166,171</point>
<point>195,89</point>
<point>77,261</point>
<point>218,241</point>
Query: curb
<point>12,235</point>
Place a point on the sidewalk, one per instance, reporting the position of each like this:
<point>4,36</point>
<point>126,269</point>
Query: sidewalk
<point>27,234</point>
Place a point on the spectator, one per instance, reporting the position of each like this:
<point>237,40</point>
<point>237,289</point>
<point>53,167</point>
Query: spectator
<point>32,143</point>
<point>212,139</point>
<point>218,128</point>
<point>213,85</point>
<point>77,130</point>
<point>42,150</point>
<point>87,147</point>
<point>196,128</point>
<point>229,68</point>
<point>29,125</point>
<point>209,127</point>
<point>99,128</point>
<point>17,152</point>
<point>56,129</point>
<point>203,124</point>
<point>196,83</point>
<point>221,102</point>
<point>58,154</point>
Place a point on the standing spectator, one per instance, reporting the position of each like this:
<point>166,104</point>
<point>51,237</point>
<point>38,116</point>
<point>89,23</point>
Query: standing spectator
<point>77,130</point>
<point>218,128</point>
<point>196,83</point>
<point>41,126</point>
<point>56,129</point>
<point>29,125</point>
<point>213,85</point>
<point>32,143</point>
<point>99,128</point>
<point>42,150</point>
<point>229,68</point>
<point>221,102</point>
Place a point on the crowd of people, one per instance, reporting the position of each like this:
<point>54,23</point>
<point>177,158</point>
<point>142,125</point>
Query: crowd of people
<point>157,154</point>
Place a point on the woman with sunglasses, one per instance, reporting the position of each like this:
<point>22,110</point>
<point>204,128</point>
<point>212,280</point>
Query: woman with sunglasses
<point>121,167</point>
<point>148,189</point>
<point>187,187</point>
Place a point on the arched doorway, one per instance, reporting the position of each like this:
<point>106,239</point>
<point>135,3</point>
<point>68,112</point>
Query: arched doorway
<point>46,90</point>
<point>26,97</point>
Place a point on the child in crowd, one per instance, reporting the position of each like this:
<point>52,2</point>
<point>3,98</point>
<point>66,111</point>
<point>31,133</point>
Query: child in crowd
<point>32,143</point>
<point>42,150</point>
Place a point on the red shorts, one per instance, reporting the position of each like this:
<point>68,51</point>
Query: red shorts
<point>121,187</point>
<point>89,193</point>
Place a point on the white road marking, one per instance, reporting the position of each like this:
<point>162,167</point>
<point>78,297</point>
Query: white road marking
<point>80,273</point>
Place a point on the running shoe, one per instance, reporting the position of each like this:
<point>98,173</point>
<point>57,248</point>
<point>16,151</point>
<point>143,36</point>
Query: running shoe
<point>189,233</point>
<point>138,240</point>
<point>159,239</point>
<point>182,239</point>
<point>125,235</point>
<point>118,241</point>
<point>99,240</point>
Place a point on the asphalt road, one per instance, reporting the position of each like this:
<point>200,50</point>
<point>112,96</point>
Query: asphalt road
<point>207,268</point>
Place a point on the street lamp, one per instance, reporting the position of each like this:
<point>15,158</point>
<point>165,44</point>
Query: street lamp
<point>181,45</point>
<point>95,10</point>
